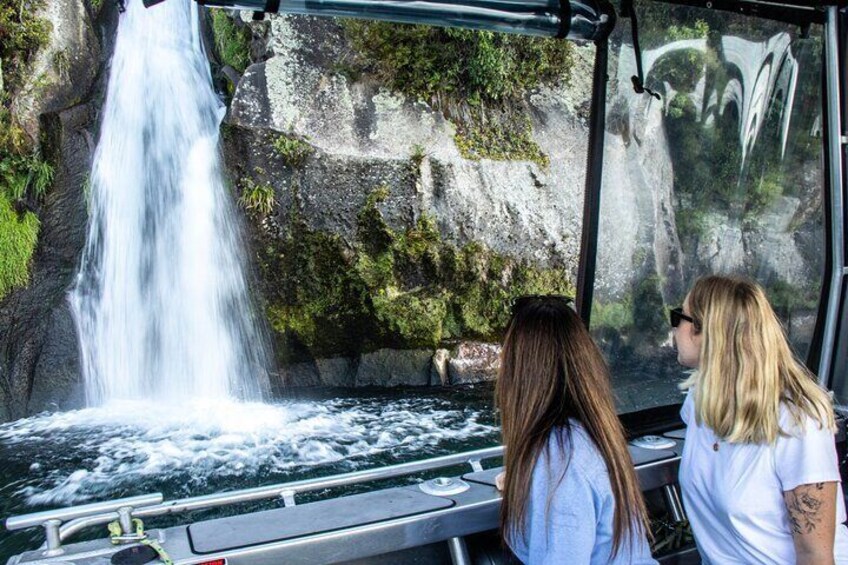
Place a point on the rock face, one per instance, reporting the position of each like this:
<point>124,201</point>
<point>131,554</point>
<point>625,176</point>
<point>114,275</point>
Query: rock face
<point>366,135</point>
<point>39,359</point>
<point>68,65</point>
<point>362,137</point>
<point>39,367</point>
<point>474,362</point>
<point>391,367</point>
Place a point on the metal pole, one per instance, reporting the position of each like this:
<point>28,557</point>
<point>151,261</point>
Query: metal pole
<point>594,178</point>
<point>458,552</point>
<point>837,223</point>
<point>675,506</point>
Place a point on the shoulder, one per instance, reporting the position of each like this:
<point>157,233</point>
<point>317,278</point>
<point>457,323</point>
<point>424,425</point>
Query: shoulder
<point>797,424</point>
<point>805,452</point>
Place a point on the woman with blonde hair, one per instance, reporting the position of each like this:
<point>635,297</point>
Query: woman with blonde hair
<point>570,493</point>
<point>759,471</point>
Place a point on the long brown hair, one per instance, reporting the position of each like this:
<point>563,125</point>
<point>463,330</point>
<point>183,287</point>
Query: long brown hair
<point>747,369</point>
<point>551,371</point>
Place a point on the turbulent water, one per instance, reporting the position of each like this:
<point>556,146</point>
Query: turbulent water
<point>174,364</point>
<point>161,301</point>
<point>126,448</point>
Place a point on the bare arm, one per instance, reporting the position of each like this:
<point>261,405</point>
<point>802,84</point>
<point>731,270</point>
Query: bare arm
<point>812,517</point>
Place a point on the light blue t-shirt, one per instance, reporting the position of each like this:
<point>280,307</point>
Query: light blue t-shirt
<point>570,522</point>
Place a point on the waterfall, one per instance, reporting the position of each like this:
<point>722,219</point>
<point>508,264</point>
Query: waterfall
<point>161,302</point>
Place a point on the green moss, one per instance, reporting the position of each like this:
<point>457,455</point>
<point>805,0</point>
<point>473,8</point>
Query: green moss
<point>615,315</point>
<point>451,64</point>
<point>415,319</point>
<point>18,237</point>
<point>293,151</point>
<point>232,42</point>
<point>691,225</point>
<point>259,199</point>
<point>508,139</point>
<point>22,34</point>
<point>394,288</point>
<point>24,175</point>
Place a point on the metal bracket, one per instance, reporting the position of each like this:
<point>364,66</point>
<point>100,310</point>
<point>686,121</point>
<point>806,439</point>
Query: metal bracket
<point>844,139</point>
<point>54,542</point>
<point>288,497</point>
<point>476,465</point>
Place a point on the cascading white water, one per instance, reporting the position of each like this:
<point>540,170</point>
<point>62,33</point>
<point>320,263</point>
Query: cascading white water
<point>161,302</point>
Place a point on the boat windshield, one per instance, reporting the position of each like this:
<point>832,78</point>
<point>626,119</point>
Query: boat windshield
<point>715,168</point>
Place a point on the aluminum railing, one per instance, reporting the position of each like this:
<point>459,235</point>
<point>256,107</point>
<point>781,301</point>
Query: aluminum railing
<point>62,523</point>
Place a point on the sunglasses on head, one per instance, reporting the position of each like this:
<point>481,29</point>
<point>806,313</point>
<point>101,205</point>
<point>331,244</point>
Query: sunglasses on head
<point>522,301</point>
<point>676,316</point>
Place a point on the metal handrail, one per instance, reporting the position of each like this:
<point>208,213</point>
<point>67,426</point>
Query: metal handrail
<point>81,520</point>
<point>62,514</point>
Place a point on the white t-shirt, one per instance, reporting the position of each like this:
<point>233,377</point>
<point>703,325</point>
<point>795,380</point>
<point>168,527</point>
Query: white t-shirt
<point>734,496</point>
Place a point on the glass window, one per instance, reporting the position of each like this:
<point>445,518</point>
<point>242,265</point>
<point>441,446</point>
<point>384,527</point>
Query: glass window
<point>721,172</point>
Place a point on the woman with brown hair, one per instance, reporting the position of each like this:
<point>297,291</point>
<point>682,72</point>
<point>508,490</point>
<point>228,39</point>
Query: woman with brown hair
<point>570,493</point>
<point>759,471</point>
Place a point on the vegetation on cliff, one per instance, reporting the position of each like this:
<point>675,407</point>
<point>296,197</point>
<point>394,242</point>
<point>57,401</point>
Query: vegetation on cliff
<point>232,42</point>
<point>473,76</point>
<point>392,288</point>
<point>24,175</point>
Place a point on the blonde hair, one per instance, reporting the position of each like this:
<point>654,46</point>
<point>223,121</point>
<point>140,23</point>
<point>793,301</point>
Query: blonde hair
<point>747,368</point>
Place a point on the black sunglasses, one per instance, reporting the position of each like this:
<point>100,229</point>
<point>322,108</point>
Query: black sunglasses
<point>522,301</point>
<point>676,316</point>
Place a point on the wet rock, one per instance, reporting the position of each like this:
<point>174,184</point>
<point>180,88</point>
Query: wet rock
<point>473,362</point>
<point>337,372</point>
<point>299,375</point>
<point>57,379</point>
<point>394,367</point>
<point>439,371</point>
<point>39,362</point>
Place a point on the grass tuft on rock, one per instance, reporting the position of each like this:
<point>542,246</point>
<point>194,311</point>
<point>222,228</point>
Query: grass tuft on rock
<point>232,42</point>
<point>18,238</point>
<point>293,151</point>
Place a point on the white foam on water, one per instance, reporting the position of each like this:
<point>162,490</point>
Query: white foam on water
<point>121,444</point>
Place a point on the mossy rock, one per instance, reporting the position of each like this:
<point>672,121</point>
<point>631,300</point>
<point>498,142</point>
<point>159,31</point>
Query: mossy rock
<point>403,289</point>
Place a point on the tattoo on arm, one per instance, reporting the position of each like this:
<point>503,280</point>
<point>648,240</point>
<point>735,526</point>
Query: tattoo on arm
<point>804,504</point>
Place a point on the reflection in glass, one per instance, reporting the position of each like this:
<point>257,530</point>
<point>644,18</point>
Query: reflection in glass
<point>722,174</point>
